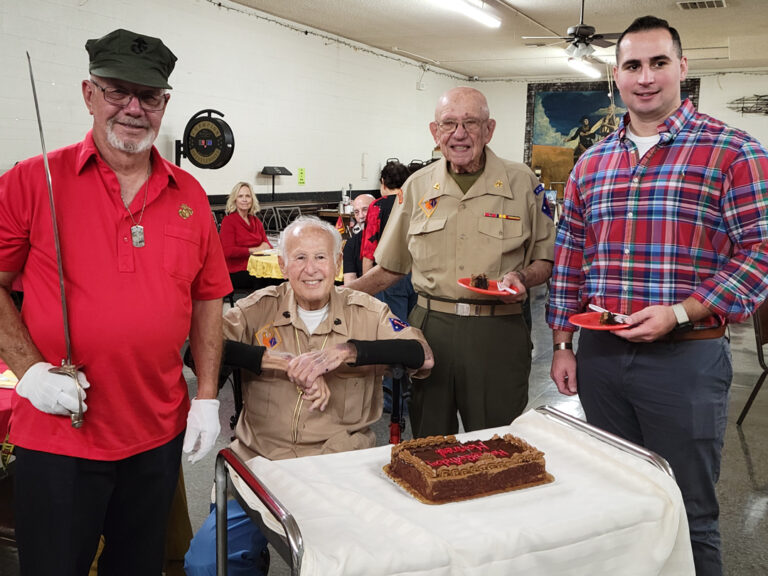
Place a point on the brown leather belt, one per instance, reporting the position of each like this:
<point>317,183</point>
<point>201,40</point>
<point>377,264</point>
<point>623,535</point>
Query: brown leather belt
<point>706,334</point>
<point>468,308</point>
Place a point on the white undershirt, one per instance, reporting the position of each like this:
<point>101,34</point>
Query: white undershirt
<point>643,143</point>
<point>313,318</point>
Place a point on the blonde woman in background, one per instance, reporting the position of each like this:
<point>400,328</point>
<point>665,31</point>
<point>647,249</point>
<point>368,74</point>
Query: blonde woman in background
<point>242,234</point>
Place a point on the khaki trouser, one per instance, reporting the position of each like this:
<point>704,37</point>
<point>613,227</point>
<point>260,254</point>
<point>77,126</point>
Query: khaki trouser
<point>481,370</point>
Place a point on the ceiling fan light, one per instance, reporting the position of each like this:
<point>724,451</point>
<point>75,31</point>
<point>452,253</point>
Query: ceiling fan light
<point>579,50</point>
<point>583,67</point>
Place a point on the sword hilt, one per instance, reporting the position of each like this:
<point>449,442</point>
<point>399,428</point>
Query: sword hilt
<point>71,371</point>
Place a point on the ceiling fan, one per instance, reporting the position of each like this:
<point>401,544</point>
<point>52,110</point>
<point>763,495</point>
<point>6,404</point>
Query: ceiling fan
<point>582,36</point>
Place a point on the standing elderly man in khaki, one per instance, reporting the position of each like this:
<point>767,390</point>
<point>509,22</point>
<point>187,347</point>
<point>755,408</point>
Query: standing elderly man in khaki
<point>469,213</point>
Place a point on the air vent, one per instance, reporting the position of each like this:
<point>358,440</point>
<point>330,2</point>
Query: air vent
<point>701,4</point>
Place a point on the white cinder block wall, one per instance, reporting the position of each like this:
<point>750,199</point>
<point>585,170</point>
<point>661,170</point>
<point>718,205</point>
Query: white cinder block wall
<point>292,99</point>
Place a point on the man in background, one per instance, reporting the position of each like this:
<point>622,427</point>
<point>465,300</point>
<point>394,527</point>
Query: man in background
<point>143,269</point>
<point>353,260</point>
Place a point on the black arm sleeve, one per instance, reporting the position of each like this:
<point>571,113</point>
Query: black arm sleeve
<point>240,355</point>
<point>409,353</point>
<point>234,355</point>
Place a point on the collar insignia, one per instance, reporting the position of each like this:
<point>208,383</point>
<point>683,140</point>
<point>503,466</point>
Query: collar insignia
<point>498,184</point>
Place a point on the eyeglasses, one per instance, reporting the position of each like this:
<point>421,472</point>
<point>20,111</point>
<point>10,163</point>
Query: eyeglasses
<point>151,101</point>
<point>472,125</point>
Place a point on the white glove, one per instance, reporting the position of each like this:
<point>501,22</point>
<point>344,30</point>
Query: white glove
<point>202,428</point>
<point>52,393</point>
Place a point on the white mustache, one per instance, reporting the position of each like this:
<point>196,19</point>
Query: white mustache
<point>128,121</point>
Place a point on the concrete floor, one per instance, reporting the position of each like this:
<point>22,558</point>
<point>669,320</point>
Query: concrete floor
<point>743,487</point>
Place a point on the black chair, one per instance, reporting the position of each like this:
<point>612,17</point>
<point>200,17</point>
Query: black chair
<point>760,320</point>
<point>242,285</point>
<point>401,392</point>
<point>218,216</point>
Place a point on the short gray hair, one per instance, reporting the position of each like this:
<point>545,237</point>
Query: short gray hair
<point>311,222</point>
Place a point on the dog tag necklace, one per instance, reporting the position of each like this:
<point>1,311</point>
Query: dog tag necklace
<point>137,230</point>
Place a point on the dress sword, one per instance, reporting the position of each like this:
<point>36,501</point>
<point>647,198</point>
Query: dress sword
<point>66,368</point>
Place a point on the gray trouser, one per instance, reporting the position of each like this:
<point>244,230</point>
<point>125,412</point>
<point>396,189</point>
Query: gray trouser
<point>672,398</point>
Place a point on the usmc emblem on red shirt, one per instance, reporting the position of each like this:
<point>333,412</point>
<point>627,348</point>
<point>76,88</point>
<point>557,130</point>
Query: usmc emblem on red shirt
<point>185,211</point>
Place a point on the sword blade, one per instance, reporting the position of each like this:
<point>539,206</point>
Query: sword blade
<point>66,365</point>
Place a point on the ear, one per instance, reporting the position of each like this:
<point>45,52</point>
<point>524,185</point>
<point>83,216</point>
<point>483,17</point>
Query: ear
<point>88,94</point>
<point>491,127</point>
<point>683,68</point>
<point>433,130</point>
<point>281,263</point>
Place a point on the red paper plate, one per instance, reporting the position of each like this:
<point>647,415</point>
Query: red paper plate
<point>591,321</point>
<point>493,289</point>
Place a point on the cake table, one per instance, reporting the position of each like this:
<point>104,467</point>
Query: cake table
<point>607,512</point>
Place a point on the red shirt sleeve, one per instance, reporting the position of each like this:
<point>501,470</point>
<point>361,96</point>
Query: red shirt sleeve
<point>372,225</point>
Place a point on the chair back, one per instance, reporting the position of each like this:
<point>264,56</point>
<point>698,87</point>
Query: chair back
<point>760,320</point>
<point>218,216</point>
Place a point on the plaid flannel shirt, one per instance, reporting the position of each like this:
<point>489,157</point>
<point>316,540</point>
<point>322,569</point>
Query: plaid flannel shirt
<point>688,219</point>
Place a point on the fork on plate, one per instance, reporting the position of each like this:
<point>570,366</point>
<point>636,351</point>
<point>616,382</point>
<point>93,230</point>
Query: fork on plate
<point>620,318</point>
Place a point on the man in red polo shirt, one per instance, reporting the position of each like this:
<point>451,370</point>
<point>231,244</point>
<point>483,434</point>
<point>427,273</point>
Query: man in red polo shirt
<point>143,269</point>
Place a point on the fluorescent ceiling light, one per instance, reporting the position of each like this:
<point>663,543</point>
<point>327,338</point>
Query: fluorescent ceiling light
<point>583,67</point>
<point>472,9</point>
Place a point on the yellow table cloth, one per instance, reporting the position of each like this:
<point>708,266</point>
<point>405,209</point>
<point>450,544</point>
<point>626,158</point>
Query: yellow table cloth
<point>264,265</point>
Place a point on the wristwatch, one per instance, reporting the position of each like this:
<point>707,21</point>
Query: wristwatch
<point>683,322</point>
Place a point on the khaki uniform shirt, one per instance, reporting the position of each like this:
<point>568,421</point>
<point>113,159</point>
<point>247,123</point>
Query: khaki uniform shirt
<point>276,422</point>
<point>441,234</point>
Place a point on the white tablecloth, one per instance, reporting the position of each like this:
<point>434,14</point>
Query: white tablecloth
<point>607,512</point>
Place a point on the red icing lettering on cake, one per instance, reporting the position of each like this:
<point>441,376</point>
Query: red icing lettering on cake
<point>475,452</point>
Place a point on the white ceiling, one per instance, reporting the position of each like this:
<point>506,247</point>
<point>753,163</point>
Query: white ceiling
<point>733,38</point>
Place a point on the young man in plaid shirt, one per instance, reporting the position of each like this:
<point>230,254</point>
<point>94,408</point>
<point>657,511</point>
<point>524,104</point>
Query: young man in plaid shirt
<point>665,220</point>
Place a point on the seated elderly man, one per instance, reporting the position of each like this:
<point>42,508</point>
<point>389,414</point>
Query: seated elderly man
<point>314,355</point>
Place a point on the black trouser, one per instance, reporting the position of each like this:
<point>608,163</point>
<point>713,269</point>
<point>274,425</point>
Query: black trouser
<point>63,504</point>
<point>672,398</point>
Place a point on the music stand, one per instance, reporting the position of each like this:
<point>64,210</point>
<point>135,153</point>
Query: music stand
<point>275,171</point>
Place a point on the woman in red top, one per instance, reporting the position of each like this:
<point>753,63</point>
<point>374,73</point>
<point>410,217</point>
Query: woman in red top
<point>242,234</point>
